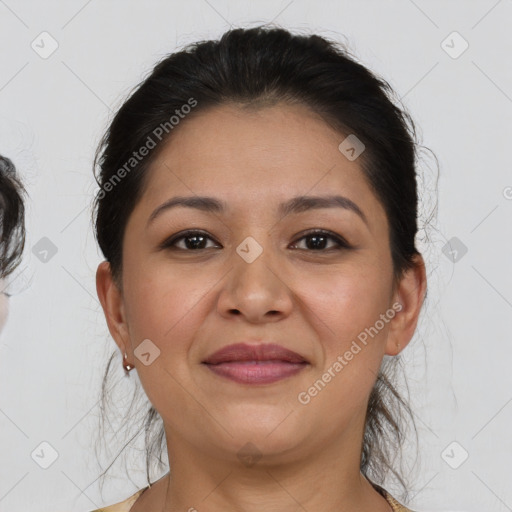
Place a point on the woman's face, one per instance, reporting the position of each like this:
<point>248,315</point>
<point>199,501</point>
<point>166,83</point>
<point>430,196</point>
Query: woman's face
<point>256,277</point>
<point>4,304</point>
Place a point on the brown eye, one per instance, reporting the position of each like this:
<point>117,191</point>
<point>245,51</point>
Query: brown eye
<point>318,241</point>
<point>193,241</point>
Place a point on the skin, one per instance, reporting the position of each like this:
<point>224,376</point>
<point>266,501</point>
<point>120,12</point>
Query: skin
<point>4,304</point>
<point>313,301</point>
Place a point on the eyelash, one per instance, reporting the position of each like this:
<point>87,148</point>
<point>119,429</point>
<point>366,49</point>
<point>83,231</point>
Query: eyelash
<point>340,242</point>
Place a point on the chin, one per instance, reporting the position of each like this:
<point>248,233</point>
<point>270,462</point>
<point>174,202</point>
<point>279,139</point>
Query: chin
<point>274,435</point>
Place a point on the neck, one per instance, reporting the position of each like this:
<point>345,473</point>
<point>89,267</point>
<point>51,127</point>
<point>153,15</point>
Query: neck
<point>327,480</point>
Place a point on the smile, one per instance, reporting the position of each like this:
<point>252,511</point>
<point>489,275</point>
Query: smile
<point>256,372</point>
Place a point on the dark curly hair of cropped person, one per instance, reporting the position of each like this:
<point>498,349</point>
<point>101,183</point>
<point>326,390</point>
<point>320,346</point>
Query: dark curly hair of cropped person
<point>12,218</point>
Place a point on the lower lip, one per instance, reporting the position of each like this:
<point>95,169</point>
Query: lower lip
<point>256,372</point>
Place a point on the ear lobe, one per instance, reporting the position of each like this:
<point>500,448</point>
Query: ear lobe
<point>410,294</point>
<point>113,306</point>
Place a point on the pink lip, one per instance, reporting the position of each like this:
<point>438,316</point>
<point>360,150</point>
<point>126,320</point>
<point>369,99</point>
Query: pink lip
<point>256,372</point>
<point>255,364</point>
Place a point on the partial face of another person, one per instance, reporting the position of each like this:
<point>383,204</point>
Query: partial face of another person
<point>4,304</point>
<point>12,230</point>
<point>258,270</point>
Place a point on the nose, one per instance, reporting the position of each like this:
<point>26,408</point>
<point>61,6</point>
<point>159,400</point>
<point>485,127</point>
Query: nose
<point>255,291</point>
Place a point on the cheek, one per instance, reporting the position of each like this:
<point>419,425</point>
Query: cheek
<point>170,310</point>
<point>166,308</point>
<point>345,309</point>
<point>346,302</point>
<point>169,306</point>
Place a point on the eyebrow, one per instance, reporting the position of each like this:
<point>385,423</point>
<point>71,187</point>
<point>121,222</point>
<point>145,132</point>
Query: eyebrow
<point>297,204</point>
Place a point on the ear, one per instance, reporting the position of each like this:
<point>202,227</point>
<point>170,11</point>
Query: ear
<point>112,303</point>
<point>410,293</point>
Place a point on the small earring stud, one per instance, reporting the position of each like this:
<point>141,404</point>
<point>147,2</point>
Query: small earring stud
<point>126,365</point>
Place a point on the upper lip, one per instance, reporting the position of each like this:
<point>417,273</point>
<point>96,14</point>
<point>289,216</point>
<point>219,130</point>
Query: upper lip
<point>261,352</point>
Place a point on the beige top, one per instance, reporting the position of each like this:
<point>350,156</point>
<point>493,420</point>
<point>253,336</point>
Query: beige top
<point>126,505</point>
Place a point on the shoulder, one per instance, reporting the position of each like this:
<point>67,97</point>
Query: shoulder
<point>122,506</point>
<point>395,505</point>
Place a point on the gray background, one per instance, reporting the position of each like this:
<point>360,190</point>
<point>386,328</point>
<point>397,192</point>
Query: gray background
<point>53,111</point>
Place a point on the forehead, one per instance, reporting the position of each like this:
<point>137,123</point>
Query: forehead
<point>253,158</point>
